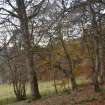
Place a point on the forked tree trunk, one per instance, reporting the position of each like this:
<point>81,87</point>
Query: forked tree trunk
<point>28,47</point>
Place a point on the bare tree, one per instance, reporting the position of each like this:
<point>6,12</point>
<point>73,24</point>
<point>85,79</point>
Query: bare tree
<point>20,12</point>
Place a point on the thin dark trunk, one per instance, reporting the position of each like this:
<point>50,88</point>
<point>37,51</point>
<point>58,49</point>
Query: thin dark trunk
<point>72,76</point>
<point>51,64</point>
<point>96,66</point>
<point>96,36</point>
<point>56,90</point>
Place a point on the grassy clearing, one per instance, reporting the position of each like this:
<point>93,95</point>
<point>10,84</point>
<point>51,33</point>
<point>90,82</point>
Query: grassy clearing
<point>6,91</point>
<point>7,94</point>
<point>46,89</point>
<point>81,81</point>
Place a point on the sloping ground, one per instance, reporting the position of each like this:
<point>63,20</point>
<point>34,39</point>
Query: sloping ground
<point>85,96</point>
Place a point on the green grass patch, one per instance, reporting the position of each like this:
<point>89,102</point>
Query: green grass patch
<point>46,89</point>
<point>82,81</point>
<point>7,95</point>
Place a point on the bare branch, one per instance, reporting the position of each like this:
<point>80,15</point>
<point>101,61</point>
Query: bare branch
<point>36,9</point>
<point>11,13</point>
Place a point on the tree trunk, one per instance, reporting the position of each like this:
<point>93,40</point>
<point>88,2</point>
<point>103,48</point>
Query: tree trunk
<point>97,65</point>
<point>96,36</point>
<point>72,76</point>
<point>28,48</point>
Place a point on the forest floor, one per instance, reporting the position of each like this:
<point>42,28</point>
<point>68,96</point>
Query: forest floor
<point>84,96</point>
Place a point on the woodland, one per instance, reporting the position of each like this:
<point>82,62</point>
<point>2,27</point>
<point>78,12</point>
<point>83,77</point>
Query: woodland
<point>52,52</point>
